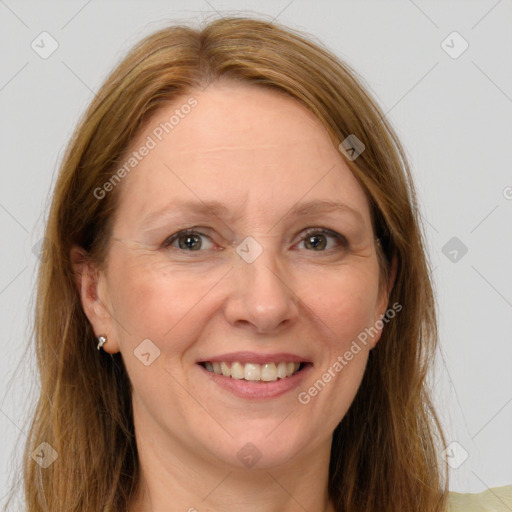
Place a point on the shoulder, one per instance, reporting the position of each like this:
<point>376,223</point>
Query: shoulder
<point>498,499</point>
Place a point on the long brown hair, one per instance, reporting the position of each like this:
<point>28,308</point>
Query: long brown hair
<point>384,452</point>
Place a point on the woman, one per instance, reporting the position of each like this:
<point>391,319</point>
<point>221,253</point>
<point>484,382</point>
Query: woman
<point>235,229</point>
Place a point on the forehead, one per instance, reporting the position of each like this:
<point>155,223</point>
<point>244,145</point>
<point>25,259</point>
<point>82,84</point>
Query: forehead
<point>246,146</point>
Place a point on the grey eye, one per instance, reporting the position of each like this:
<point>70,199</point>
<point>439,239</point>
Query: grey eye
<point>189,241</point>
<point>321,239</point>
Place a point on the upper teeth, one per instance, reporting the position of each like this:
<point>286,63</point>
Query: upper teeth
<point>252,371</point>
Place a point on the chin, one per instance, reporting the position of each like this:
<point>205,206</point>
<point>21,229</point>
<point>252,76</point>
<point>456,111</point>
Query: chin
<point>266,445</point>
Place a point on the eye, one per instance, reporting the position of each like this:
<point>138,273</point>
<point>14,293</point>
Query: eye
<point>188,240</point>
<point>317,239</point>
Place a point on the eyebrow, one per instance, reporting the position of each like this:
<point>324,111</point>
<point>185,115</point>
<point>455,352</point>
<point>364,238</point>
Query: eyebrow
<point>315,207</point>
<point>215,208</point>
<point>218,209</point>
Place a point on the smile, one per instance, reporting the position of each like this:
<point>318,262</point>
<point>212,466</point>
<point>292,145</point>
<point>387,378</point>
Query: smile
<point>267,372</point>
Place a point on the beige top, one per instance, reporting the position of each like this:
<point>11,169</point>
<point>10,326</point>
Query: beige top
<point>498,499</point>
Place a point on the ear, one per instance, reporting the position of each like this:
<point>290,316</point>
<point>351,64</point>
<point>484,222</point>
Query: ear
<point>92,288</point>
<point>383,303</point>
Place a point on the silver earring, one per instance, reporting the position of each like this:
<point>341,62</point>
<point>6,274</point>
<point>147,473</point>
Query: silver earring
<point>101,341</point>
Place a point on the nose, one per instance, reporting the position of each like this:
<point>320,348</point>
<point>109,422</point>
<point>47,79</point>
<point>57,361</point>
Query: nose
<point>262,297</point>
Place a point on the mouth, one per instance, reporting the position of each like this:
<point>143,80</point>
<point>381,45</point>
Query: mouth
<point>255,372</point>
<point>256,376</point>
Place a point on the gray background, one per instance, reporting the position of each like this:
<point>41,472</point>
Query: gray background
<point>452,114</point>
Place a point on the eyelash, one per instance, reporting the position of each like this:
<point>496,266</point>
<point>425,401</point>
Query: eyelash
<point>341,240</point>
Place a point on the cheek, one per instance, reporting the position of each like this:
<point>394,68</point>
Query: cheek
<point>151,301</point>
<point>346,303</point>
<point>345,307</point>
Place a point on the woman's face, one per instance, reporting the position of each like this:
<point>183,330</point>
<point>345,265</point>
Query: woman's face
<point>277,271</point>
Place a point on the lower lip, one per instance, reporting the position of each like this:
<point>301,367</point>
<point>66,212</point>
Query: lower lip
<point>258,390</point>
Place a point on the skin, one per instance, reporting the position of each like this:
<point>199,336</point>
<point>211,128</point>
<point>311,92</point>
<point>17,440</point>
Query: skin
<point>260,154</point>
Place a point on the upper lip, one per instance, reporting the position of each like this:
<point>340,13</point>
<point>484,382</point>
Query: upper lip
<point>254,357</point>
